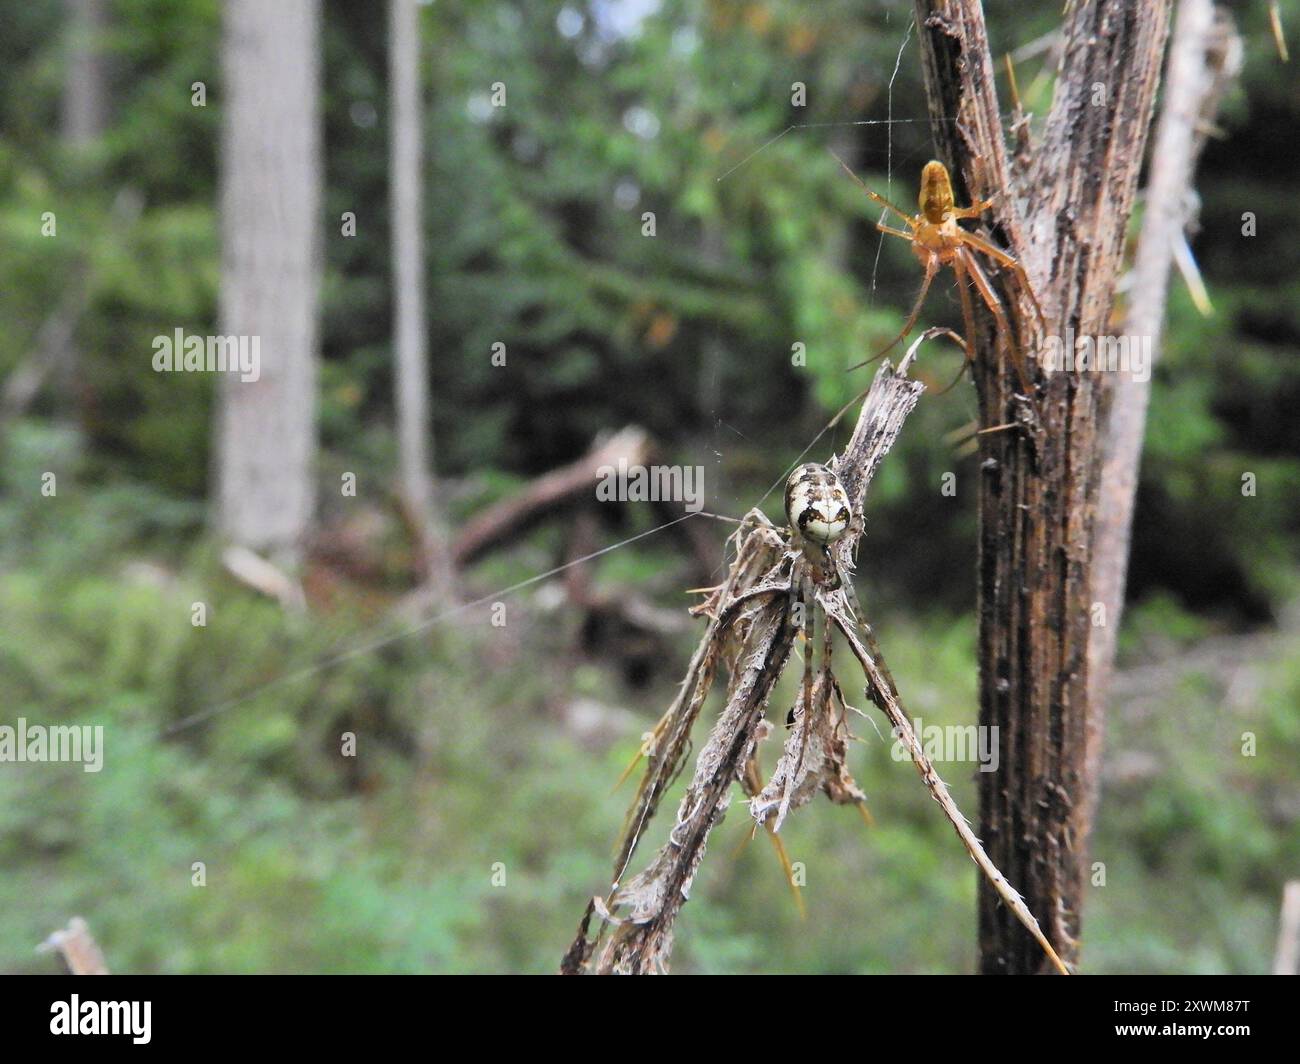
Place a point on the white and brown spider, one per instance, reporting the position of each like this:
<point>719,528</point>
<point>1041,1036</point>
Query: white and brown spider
<point>818,513</point>
<point>817,508</point>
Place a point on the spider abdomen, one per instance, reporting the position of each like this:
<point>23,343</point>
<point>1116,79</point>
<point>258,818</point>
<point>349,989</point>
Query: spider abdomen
<point>936,199</point>
<point>816,504</point>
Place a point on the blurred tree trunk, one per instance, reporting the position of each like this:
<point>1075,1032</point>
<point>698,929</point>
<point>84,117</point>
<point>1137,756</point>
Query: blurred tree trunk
<point>55,358</point>
<point>270,272</point>
<point>410,340</point>
<point>1204,58</point>
<point>1063,211</point>
<point>85,77</point>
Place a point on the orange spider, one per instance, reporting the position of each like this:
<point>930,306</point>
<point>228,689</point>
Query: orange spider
<point>938,241</point>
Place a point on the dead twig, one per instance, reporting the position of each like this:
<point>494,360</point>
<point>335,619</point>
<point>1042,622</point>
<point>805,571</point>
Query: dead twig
<point>78,949</point>
<point>1286,960</point>
<point>505,521</point>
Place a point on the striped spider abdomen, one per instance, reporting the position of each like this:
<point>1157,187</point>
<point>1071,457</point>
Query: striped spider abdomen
<point>816,504</point>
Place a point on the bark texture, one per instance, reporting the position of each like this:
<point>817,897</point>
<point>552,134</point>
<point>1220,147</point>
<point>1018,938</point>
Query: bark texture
<point>1063,214</point>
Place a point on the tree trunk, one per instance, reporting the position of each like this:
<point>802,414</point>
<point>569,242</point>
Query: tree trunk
<point>1064,215</point>
<point>1204,57</point>
<point>85,78</point>
<point>83,119</point>
<point>270,272</point>
<point>411,374</point>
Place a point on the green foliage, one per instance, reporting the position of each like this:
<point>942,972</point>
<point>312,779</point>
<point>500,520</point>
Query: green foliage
<point>1197,822</point>
<point>316,862</point>
<point>533,230</point>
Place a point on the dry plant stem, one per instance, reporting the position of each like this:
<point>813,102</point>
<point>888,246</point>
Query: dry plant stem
<point>755,601</point>
<point>77,947</point>
<point>1064,218</point>
<point>507,520</point>
<point>641,942</point>
<point>1286,960</point>
<point>636,921</point>
<point>672,734</point>
<point>1204,55</point>
<point>888,402</point>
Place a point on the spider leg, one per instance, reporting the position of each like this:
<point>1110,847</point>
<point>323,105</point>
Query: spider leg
<point>805,723</point>
<point>931,268</point>
<point>752,782</point>
<point>967,313</point>
<point>960,373</point>
<point>953,384</point>
<point>858,615</point>
<point>907,218</point>
<point>809,599</point>
<point>974,210</point>
<point>870,637</point>
<point>987,247</point>
<point>994,304</point>
<point>827,632</point>
<point>893,232</point>
<point>851,598</point>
